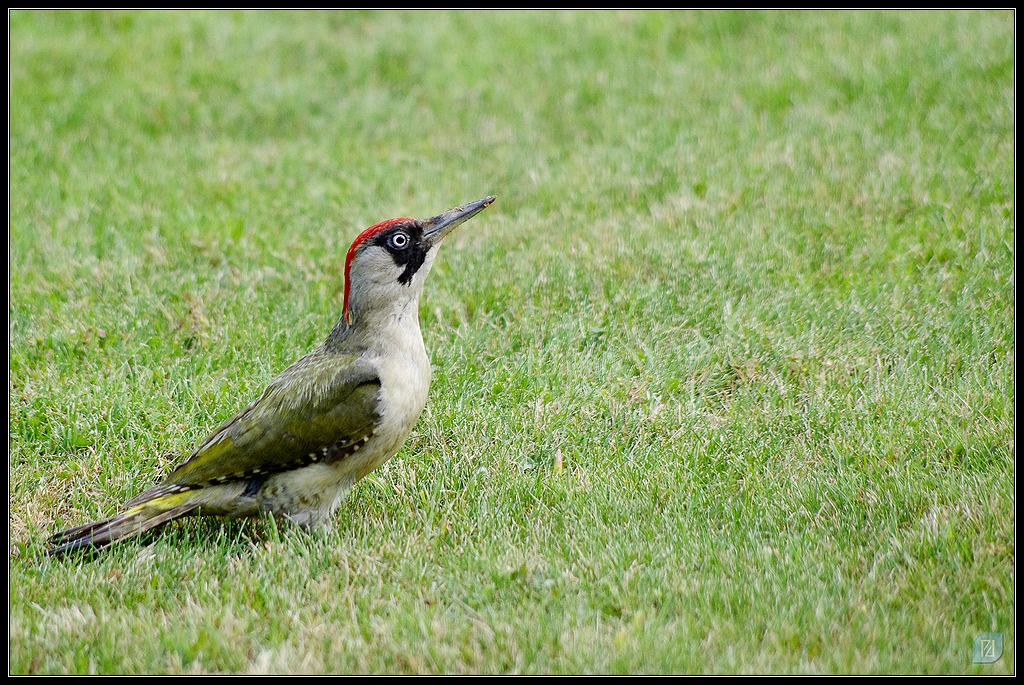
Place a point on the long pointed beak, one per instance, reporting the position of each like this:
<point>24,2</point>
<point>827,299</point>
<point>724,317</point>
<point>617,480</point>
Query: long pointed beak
<point>437,228</point>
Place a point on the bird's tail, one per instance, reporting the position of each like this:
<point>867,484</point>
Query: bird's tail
<point>137,519</point>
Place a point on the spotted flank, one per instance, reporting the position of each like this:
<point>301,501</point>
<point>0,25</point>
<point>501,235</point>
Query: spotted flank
<point>329,454</point>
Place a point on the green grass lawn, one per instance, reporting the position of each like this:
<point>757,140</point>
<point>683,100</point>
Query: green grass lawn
<point>723,380</point>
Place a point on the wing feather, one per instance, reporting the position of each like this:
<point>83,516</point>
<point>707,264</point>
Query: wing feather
<point>317,409</point>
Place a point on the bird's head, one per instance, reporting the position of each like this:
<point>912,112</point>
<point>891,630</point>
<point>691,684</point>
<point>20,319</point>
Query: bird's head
<point>388,263</point>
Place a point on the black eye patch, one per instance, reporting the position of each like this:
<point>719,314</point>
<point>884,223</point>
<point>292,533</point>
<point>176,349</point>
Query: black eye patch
<point>405,244</point>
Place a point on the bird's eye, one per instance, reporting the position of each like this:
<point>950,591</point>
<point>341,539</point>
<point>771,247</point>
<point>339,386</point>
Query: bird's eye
<point>399,240</point>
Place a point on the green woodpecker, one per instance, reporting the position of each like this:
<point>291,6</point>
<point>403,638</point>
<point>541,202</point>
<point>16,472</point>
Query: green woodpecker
<point>328,419</point>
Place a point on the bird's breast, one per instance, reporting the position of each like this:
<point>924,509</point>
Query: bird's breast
<point>404,384</point>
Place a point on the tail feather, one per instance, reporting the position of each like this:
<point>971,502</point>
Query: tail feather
<point>98,534</point>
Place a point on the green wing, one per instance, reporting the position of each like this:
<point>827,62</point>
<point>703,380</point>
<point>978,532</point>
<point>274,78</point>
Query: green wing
<point>321,408</point>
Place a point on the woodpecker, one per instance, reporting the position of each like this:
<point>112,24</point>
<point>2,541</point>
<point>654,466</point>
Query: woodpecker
<point>327,420</point>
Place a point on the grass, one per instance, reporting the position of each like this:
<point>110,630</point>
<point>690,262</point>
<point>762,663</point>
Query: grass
<point>723,381</point>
